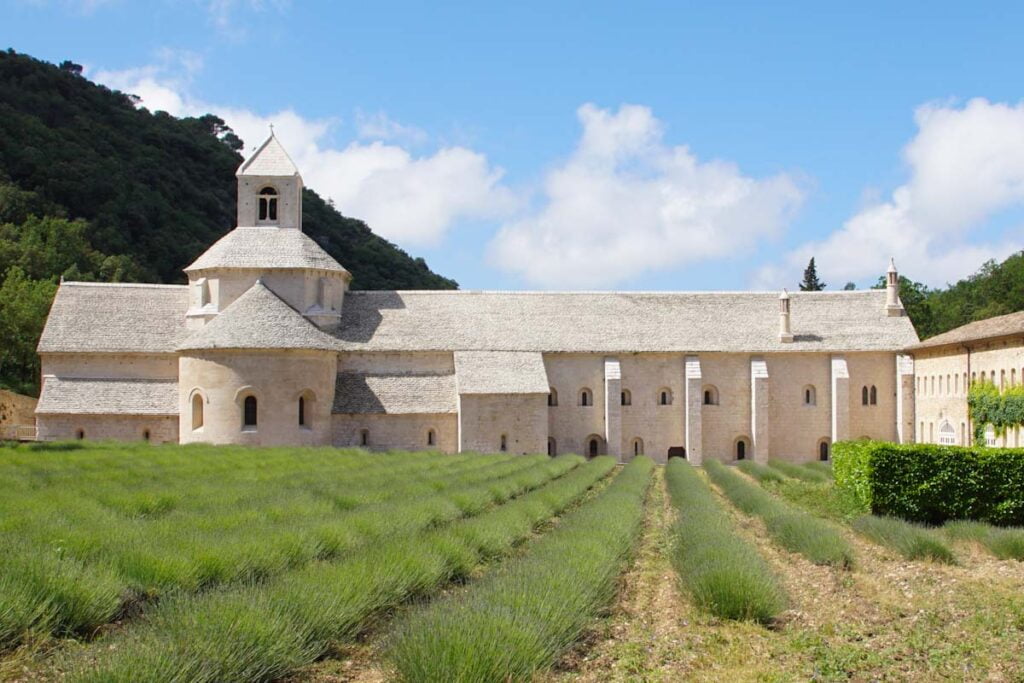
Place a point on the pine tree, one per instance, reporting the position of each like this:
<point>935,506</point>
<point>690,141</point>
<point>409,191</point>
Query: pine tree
<point>811,283</point>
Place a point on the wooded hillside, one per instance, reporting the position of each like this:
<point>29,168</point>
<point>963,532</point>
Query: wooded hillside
<point>94,188</point>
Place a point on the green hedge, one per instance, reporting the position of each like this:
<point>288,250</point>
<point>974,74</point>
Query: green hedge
<point>932,484</point>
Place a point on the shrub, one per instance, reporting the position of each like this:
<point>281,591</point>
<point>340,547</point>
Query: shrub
<point>819,541</point>
<point>518,620</point>
<point>1004,543</point>
<point>932,484</point>
<point>306,610</point>
<point>912,541</point>
<point>798,471</point>
<point>760,472</point>
<point>722,572</point>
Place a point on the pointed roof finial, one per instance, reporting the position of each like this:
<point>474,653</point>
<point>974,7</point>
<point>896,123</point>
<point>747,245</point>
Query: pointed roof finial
<point>271,128</point>
<point>785,293</point>
<point>892,264</point>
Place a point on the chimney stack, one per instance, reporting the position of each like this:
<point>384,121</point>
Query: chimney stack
<point>893,305</point>
<point>785,331</point>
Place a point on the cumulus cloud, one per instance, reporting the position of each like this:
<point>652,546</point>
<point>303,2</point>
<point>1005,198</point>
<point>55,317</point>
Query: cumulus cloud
<point>625,203</point>
<point>966,165</point>
<point>409,198</point>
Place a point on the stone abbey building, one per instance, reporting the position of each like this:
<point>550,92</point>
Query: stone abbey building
<point>266,345</point>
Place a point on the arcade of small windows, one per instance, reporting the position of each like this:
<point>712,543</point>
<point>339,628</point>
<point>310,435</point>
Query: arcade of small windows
<point>267,205</point>
<point>869,396</point>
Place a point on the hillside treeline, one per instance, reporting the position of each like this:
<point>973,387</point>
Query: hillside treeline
<point>93,187</point>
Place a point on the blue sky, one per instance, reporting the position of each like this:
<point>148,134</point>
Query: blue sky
<point>631,146</point>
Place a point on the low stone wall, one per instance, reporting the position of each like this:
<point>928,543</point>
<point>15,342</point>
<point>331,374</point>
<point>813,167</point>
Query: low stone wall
<point>17,415</point>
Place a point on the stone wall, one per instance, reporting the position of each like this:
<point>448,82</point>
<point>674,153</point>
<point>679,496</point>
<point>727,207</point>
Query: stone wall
<point>16,411</point>
<point>399,432</point>
<point>521,418</point>
<point>660,427</point>
<point>942,378</point>
<point>110,365</point>
<point>427,362</point>
<point>570,423</point>
<point>276,378</point>
<point>161,428</point>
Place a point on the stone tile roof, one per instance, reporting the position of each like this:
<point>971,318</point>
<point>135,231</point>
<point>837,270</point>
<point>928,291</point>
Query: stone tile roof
<point>500,372</point>
<point>269,159</point>
<point>65,395</point>
<point>618,322</point>
<point>266,247</point>
<point>259,319</point>
<point>999,326</point>
<point>125,318</point>
<point>394,394</point>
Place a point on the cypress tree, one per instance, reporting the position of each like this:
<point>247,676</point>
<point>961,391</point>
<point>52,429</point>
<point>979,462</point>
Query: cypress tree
<point>811,283</point>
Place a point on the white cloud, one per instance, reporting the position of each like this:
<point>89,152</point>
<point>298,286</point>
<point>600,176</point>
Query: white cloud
<point>380,126</point>
<point>625,203</point>
<point>411,199</point>
<point>966,166</point>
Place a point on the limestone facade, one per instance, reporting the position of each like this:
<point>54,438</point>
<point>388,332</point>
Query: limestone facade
<point>266,345</point>
<point>945,367</point>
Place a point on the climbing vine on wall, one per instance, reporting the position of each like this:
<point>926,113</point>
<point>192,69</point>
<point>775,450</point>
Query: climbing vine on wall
<point>987,405</point>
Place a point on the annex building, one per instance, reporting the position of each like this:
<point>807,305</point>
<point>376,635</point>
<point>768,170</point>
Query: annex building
<point>266,345</point>
<point>947,364</point>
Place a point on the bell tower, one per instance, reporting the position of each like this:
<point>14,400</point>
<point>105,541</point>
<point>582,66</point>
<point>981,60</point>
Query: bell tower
<point>269,188</point>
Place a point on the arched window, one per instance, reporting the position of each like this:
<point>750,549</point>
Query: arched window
<point>504,443</point>
<point>638,446</point>
<point>947,433</point>
<point>249,412</point>
<point>268,205</point>
<point>823,450</point>
<point>593,447</point>
<point>874,395</point>
<point>864,395</point>
<point>145,435</point>
<point>664,396</point>
<point>586,397</point>
<point>741,449</point>
<point>431,437</point>
<point>302,411</point>
<point>626,399</point>
<point>810,396</point>
<point>710,396</point>
<point>552,447</point>
<point>364,437</point>
<point>552,397</point>
<point>197,411</point>
<point>80,434</point>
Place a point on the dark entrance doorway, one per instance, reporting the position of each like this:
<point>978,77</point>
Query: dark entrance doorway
<point>677,452</point>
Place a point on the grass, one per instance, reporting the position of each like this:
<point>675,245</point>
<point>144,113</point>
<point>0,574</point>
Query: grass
<point>760,472</point>
<point>219,636</point>
<point>912,541</point>
<point>802,472</point>
<point>819,541</point>
<point>723,573</point>
<point>1005,543</point>
<point>519,619</point>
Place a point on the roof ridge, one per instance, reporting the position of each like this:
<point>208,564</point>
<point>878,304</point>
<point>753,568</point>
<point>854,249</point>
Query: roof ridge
<point>614,292</point>
<point>78,283</point>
